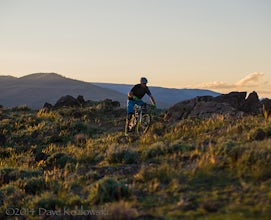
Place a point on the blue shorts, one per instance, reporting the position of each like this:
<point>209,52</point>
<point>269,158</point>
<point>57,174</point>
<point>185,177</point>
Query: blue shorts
<point>131,105</point>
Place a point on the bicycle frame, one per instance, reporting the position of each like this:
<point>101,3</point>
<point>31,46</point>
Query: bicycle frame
<point>138,113</point>
<point>138,125</point>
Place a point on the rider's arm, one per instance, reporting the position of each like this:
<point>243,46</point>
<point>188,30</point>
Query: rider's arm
<point>130,94</point>
<point>152,100</point>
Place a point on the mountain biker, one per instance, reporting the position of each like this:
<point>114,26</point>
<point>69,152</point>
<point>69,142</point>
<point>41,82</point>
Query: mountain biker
<point>134,97</point>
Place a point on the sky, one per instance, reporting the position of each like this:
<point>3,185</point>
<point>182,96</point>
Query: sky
<point>221,45</point>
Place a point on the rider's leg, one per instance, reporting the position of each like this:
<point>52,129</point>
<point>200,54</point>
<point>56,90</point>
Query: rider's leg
<point>130,112</point>
<point>140,102</point>
<point>128,118</point>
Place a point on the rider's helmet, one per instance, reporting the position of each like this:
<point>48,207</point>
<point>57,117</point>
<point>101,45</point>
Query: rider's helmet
<point>143,80</point>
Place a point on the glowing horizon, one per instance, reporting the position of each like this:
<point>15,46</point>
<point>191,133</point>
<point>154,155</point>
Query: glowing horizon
<point>222,46</point>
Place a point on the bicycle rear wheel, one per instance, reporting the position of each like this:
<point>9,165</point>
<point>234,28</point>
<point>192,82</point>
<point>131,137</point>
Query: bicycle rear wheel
<point>143,126</point>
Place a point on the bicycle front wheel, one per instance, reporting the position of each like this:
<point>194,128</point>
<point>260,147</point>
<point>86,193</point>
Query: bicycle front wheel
<point>143,126</point>
<point>132,123</point>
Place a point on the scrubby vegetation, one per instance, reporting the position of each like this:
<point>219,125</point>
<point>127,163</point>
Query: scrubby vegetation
<point>75,159</point>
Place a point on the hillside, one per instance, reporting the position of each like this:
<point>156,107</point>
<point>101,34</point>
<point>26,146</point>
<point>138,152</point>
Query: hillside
<point>36,89</point>
<point>77,161</point>
<point>165,97</point>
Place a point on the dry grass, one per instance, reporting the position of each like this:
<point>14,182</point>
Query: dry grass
<point>198,169</point>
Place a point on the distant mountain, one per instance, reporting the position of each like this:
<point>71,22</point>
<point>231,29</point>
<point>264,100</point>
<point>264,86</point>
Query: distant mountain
<point>165,97</point>
<point>35,89</point>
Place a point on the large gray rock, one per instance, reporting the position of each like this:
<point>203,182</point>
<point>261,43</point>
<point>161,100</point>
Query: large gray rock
<point>207,109</point>
<point>265,107</point>
<point>234,103</point>
<point>183,109</point>
<point>108,105</point>
<point>252,104</point>
<point>81,100</point>
<point>235,99</point>
<point>67,101</point>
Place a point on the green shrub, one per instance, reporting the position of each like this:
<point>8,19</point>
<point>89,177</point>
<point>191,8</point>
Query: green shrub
<point>12,174</point>
<point>13,195</point>
<point>257,134</point>
<point>163,173</point>
<point>74,201</point>
<point>90,177</point>
<point>156,149</point>
<point>268,131</point>
<point>123,210</point>
<point>2,197</point>
<point>59,160</point>
<point>21,108</point>
<point>49,201</point>
<point>79,127</point>
<point>180,146</point>
<point>4,175</point>
<point>34,185</point>
<point>131,157</point>
<point>108,190</point>
<point>121,154</point>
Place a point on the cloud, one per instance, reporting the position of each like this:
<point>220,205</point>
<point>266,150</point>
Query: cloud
<point>252,82</point>
<point>251,78</point>
<point>214,85</point>
<point>266,93</point>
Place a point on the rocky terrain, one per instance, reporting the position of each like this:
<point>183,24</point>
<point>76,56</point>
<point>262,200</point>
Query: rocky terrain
<point>234,103</point>
<point>205,158</point>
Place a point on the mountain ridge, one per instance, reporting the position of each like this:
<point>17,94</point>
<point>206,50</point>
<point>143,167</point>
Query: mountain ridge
<point>35,89</point>
<point>166,96</point>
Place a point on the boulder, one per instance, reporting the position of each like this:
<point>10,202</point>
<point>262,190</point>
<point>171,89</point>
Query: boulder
<point>234,103</point>
<point>208,109</point>
<point>81,100</point>
<point>251,104</point>
<point>265,107</point>
<point>47,106</point>
<point>107,105</point>
<point>183,109</point>
<point>67,101</point>
<point>235,99</point>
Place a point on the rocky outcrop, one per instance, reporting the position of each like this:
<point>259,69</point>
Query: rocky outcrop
<point>234,103</point>
<point>47,106</point>
<point>107,105</point>
<point>67,101</point>
<point>252,104</point>
<point>265,107</point>
<point>81,100</point>
<point>234,99</point>
<point>183,109</point>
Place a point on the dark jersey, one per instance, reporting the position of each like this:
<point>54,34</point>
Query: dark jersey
<point>140,91</point>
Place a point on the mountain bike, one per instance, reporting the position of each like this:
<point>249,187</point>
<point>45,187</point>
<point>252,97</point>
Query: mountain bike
<point>141,120</point>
